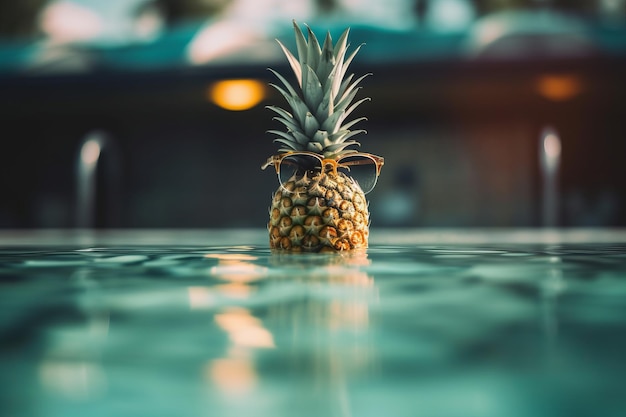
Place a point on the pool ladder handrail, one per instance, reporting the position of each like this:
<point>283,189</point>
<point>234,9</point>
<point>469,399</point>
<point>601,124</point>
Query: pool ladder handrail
<point>89,159</point>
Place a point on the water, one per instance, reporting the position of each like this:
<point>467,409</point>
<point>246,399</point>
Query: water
<point>412,329</point>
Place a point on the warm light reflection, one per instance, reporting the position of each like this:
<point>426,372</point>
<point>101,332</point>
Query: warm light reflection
<point>236,373</point>
<point>559,87</point>
<point>232,375</point>
<point>237,95</point>
<point>231,256</point>
<point>244,329</point>
<point>238,271</point>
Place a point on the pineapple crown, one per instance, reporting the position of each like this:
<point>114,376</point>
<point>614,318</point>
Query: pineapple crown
<point>322,100</point>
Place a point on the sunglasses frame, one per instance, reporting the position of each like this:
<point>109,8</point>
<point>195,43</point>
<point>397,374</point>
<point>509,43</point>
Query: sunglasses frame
<point>334,163</point>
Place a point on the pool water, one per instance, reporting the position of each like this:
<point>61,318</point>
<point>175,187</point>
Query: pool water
<point>409,329</point>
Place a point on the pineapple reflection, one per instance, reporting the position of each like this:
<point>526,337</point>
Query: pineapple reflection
<point>327,337</point>
<point>309,314</point>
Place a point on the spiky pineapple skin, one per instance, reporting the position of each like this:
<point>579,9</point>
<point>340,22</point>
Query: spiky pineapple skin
<point>325,213</point>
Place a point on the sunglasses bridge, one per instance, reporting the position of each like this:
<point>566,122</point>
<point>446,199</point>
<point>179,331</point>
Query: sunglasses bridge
<point>326,164</point>
<point>333,166</point>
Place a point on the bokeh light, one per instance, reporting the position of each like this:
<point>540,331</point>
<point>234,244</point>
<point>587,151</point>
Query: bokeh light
<point>237,95</point>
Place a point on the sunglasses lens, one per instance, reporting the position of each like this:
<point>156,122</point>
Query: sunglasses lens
<point>362,169</point>
<point>294,166</point>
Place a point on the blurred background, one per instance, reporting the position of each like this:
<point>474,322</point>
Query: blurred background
<point>151,114</point>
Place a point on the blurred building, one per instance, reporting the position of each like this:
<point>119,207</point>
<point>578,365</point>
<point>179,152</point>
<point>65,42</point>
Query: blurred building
<point>461,92</point>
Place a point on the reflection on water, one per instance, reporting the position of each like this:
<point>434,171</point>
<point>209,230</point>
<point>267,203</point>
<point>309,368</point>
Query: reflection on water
<point>236,373</point>
<point>522,330</point>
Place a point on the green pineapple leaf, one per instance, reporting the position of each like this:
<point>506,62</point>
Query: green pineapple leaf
<point>353,122</point>
<point>312,90</point>
<point>292,91</point>
<point>323,98</point>
<point>327,61</point>
<point>293,62</point>
<point>311,125</point>
<point>354,106</point>
<point>314,51</point>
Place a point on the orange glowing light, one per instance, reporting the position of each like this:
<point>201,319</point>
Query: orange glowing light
<point>559,87</point>
<point>237,95</point>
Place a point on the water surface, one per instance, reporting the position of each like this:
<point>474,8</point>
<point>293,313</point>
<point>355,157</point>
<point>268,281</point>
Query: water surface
<point>408,329</point>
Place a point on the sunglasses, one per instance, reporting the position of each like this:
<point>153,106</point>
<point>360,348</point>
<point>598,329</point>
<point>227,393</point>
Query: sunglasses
<point>364,168</point>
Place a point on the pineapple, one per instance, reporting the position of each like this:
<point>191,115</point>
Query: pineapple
<point>320,205</point>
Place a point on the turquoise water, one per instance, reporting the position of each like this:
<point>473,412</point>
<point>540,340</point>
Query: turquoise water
<point>414,329</point>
